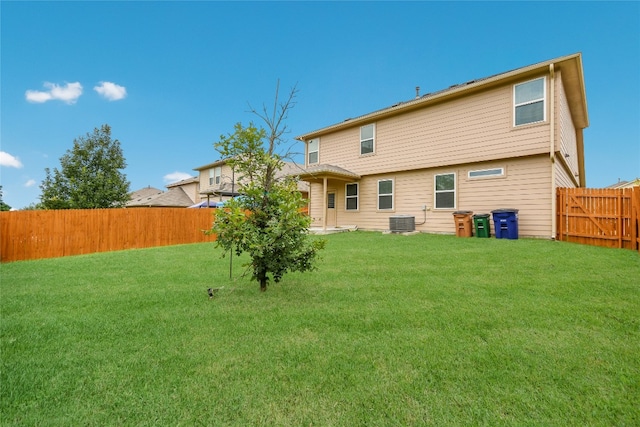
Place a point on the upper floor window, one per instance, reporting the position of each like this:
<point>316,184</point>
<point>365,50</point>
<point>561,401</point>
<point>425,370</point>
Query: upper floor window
<point>367,137</point>
<point>529,101</point>
<point>215,175</point>
<point>445,191</point>
<point>385,194</point>
<point>352,197</point>
<point>313,151</point>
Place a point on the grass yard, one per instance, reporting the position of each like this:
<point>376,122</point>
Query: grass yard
<point>389,331</point>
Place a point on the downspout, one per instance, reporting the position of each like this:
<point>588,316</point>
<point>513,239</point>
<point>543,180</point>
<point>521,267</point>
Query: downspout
<point>552,149</point>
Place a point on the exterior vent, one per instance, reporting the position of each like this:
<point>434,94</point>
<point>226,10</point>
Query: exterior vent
<point>402,223</point>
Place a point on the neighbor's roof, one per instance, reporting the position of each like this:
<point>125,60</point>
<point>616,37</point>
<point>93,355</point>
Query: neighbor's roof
<point>572,77</point>
<point>144,193</point>
<point>626,184</point>
<point>191,180</point>
<point>211,165</point>
<point>173,198</point>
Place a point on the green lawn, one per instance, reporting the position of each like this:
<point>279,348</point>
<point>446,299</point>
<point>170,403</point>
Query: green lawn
<point>390,330</point>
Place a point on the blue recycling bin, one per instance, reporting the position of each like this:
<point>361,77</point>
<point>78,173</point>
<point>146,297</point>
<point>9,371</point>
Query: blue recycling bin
<point>505,223</point>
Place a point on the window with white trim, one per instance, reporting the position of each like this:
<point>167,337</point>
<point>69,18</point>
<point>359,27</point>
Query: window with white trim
<point>486,173</point>
<point>313,151</point>
<point>215,175</point>
<point>367,139</point>
<point>444,191</point>
<point>351,191</point>
<point>529,102</point>
<point>385,194</point>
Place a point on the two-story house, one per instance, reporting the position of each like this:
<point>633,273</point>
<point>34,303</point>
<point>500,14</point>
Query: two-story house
<point>504,141</point>
<point>218,182</point>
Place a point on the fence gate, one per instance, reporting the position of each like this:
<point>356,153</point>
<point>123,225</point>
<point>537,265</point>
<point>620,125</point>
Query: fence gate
<point>599,217</point>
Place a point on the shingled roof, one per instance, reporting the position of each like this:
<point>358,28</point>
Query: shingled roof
<point>173,198</point>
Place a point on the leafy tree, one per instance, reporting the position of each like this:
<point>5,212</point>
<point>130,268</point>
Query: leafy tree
<point>90,175</point>
<point>266,221</point>
<point>3,205</point>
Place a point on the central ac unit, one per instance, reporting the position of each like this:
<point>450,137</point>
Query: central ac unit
<point>402,223</point>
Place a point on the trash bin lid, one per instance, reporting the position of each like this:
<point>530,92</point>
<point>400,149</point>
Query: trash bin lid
<point>462,212</point>
<point>505,210</point>
<point>481,215</point>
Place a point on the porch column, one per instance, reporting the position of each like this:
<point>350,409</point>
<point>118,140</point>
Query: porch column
<point>324,204</point>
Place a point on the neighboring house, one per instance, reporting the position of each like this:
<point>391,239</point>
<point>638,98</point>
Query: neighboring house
<point>218,182</point>
<point>626,184</point>
<point>505,141</point>
<point>143,195</point>
<point>174,197</point>
<point>191,186</point>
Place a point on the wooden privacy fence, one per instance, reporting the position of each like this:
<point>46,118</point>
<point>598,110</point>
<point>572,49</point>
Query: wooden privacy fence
<point>599,217</point>
<point>48,234</point>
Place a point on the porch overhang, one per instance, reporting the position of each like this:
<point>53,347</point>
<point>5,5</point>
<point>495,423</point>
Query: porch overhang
<point>320,172</point>
<point>225,189</point>
<point>323,174</point>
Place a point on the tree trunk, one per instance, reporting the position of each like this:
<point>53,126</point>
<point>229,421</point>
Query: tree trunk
<point>262,278</point>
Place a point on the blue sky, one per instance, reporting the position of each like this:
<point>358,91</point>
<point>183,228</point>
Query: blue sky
<point>171,77</point>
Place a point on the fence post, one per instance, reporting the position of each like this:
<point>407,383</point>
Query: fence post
<point>620,220</point>
<point>635,218</point>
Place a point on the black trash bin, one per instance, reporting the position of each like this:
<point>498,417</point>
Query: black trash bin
<point>505,223</point>
<point>481,225</point>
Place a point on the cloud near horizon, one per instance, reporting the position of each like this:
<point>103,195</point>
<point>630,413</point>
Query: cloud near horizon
<point>30,183</point>
<point>111,91</point>
<point>176,176</point>
<point>68,93</point>
<point>10,161</point>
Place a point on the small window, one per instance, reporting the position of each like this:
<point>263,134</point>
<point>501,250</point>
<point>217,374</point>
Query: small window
<point>529,102</point>
<point>331,200</point>
<point>217,175</point>
<point>367,137</point>
<point>352,197</point>
<point>210,176</point>
<point>385,194</point>
<point>487,173</point>
<point>313,151</point>
<point>445,191</point>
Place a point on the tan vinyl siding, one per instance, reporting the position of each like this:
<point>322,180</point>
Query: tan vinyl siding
<point>192,190</point>
<point>567,132</point>
<point>226,175</point>
<point>315,204</point>
<point>474,128</point>
<point>562,177</point>
<point>413,189</point>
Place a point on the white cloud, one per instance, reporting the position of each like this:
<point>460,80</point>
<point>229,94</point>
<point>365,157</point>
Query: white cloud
<point>111,91</point>
<point>176,176</point>
<point>30,183</point>
<point>68,93</point>
<point>8,160</point>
